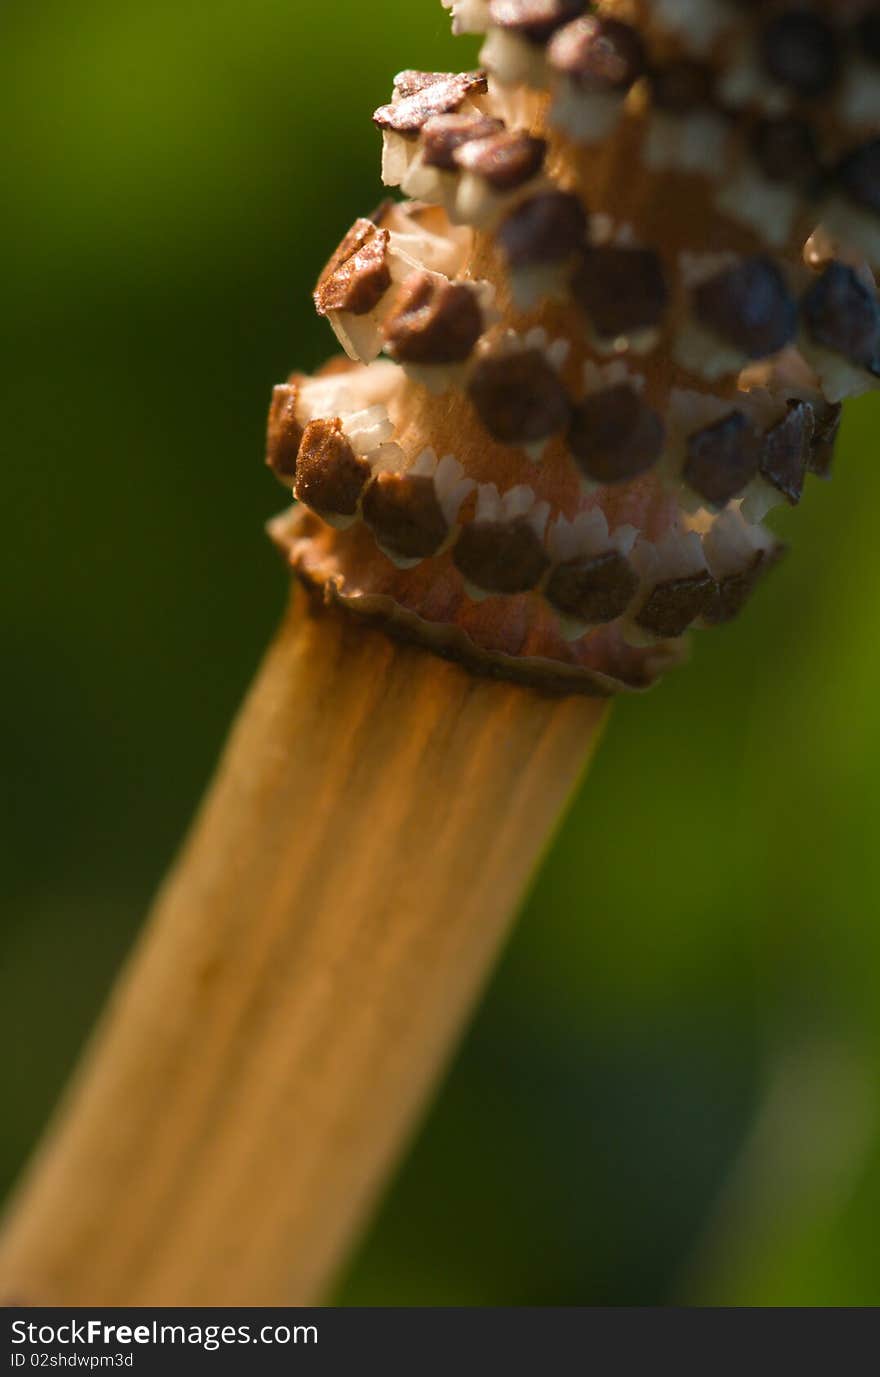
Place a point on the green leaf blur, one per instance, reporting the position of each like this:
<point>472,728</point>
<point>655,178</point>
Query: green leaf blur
<point>670,1094</point>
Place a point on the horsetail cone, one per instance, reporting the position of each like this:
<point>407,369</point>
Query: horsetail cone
<point>629,287</point>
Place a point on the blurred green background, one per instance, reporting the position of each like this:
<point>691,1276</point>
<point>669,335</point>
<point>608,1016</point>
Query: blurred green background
<point>671,1092</point>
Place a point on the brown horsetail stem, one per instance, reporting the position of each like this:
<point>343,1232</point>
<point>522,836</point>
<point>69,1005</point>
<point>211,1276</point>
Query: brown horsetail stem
<point>632,282</point>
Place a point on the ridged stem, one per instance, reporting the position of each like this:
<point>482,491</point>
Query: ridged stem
<point>308,967</point>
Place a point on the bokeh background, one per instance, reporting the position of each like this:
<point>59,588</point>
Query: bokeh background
<point>671,1092</point>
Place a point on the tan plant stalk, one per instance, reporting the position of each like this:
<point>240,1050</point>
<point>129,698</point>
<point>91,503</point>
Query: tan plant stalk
<point>308,966</point>
<point>632,285</point>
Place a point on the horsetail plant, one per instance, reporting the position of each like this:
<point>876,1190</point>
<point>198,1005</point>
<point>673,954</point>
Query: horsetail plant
<point>608,328</point>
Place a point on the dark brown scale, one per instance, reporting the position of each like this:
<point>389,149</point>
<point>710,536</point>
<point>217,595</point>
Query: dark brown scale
<point>825,432</point>
<point>440,94</point>
<point>548,228</point>
<point>357,276</point>
<point>505,160</point>
<point>800,50</point>
<point>434,322</point>
<point>444,134</point>
<point>284,433</point>
<point>593,591</point>
<point>749,306</point>
<point>598,54</point>
<point>403,512</point>
<point>785,454</point>
<point>622,290</point>
<point>329,476</point>
<point>535,20</point>
<point>683,86</point>
<point>615,436</point>
<point>411,81</point>
<point>842,314</point>
<point>858,176</point>
<point>734,591</point>
<point>676,604</point>
<point>787,151</point>
<point>501,557</point>
<point>722,459</point>
<point>520,398</point>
